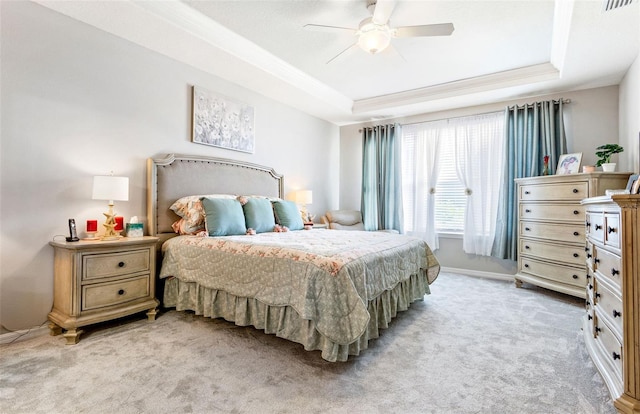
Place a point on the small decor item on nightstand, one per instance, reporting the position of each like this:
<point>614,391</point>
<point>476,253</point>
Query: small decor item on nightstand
<point>604,154</point>
<point>569,163</point>
<point>92,229</point>
<point>135,229</point>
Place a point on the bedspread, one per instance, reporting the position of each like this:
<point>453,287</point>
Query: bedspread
<point>326,276</point>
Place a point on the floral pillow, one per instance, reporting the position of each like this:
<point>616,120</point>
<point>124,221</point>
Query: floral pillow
<point>192,213</point>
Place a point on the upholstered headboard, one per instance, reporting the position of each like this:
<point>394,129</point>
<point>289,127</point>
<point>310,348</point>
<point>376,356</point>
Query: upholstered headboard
<point>177,176</point>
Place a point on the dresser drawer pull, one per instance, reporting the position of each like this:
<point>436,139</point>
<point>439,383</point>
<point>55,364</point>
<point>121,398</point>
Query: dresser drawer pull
<point>596,260</point>
<point>615,272</point>
<point>588,224</point>
<point>589,256</point>
<point>587,303</point>
<point>615,355</point>
<point>598,329</point>
<point>575,233</point>
<point>576,212</point>
<point>526,265</point>
<point>575,191</point>
<point>590,286</point>
<point>589,317</point>
<point>598,227</point>
<point>527,229</point>
<point>121,292</point>
<point>527,192</point>
<point>588,276</point>
<point>611,229</point>
<point>527,247</point>
<point>586,249</point>
<point>598,294</point>
<point>121,264</point>
<point>575,276</point>
<point>527,210</point>
<point>576,255</point>
<point>616,313</point>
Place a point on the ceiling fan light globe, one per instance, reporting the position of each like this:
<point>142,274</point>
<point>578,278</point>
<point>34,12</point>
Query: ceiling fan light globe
<point>374,40</point>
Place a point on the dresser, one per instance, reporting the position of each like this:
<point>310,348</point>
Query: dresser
<point>551,236</point>
<point>96,281</point>
<point>612,319</point>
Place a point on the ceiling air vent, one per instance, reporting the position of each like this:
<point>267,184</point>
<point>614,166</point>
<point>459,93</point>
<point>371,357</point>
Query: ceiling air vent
<point>609,5</point>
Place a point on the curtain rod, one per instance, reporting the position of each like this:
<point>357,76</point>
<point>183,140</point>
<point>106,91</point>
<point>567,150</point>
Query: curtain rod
<point>564,101</point>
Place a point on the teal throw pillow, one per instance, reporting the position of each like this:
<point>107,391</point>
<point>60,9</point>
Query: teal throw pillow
<point>288,215</point>
<point>258,215</point>
<point>223,217</point>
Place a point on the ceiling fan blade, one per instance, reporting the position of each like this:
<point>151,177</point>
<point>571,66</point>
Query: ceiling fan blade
<point>443,29</point>
<point>383,11</point>
<point>332,29</point>
<point>347,51</point>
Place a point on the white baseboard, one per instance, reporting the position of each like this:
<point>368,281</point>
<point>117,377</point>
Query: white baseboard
<point>21,335</point>
<point>479,273</point>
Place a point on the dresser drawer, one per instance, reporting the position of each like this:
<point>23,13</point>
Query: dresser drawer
<point>558,212</point>
<point>568,254</point>
<point>595,226</point>
<point>612,230</point>
<point>573,233</point>
<point>553,192</point>
<point>97,266</point>
<point>608,265</point>
<point>610,304</point>
<point>100,295</point>
<point>570,275</point>
<point>610,344</point>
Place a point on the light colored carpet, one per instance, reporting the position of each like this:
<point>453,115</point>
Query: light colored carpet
<point>473,346</point>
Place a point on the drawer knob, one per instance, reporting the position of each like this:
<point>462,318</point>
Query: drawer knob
<point>575,191</point>
<point>576,255</point>
<point>527,229</point>
<point>611,229</point>
<point>590,287</point>
<point>121,264</point>
<point>121,292</point>
<point>575,276</point>
<point>527,192</point>
<point>598,329</point>
<point>589,256</point>
<point>586,249</point>
<point>596,260</point>
<point>588,224</point>
<point>615,355</point>
<point>576,212</point>
<point>598,294</point>
<point>527,247</point>
<point>615,272</point>
<point>589,317</point>
<point>575,233</point>
<point>527,210</point>
<point>598,227</point>
<point>526,265</point>
<point>616,314</point>
<point>588,276</point>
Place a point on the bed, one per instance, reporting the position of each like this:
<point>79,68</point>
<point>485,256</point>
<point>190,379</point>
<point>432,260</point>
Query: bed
<point>328,290</point>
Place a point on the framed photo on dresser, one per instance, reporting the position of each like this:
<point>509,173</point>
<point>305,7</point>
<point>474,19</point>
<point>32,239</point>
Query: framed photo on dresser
<point>569,163</point>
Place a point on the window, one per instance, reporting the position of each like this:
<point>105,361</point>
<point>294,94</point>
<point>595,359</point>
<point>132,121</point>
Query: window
<point>451,174</point>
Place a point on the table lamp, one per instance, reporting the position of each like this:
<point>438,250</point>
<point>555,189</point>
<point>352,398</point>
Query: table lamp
<point>302,198</point>
<point>108,187</point>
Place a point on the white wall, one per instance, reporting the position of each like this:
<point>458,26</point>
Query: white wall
<point>630,116</point>
<point>77,102</point>
<point>591,119</point>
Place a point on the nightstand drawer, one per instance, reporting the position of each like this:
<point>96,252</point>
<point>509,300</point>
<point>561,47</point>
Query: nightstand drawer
<point>100,295</point>
<point>551,192</point>
<point>568,254</point>
<point>557,232</point>
<point>97,266</point>
<point>559,212</point>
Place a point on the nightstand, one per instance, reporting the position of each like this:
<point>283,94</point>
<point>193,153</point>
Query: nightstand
<point>96,281</point>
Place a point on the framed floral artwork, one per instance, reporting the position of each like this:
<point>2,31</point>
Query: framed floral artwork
<point>222,122</point>
<point>569,163</point>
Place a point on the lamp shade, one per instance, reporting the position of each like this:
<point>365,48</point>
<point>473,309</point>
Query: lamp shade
<point>303,197</point>
<point>108,187</point>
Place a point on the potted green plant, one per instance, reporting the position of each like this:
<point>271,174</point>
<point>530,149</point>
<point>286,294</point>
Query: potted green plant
<point>604,153</point>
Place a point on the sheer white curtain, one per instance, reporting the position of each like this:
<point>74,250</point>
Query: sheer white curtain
<point>420,156</point>
<point>479,146</point>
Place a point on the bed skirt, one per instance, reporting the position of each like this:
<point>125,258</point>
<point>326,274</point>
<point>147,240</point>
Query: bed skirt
<point>285,322</point>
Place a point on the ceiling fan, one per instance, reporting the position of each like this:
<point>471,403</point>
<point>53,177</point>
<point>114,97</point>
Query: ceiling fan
<point>374,33</point>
